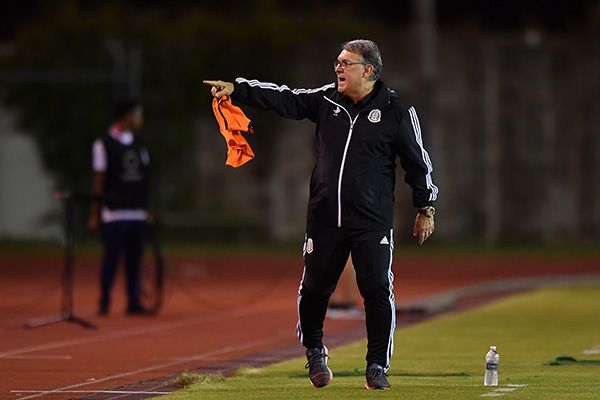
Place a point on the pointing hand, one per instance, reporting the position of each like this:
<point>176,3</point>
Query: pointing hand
<point>220,88</point>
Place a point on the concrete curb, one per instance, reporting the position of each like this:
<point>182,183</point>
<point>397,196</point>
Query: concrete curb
<point>437,303</point>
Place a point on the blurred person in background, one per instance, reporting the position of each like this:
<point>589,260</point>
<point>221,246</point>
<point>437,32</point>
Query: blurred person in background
<point>362,126</point>
<point>120,164</point>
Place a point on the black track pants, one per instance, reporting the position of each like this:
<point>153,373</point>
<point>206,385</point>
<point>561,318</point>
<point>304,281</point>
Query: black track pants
<point>122,238</point>
<point>326,250</point>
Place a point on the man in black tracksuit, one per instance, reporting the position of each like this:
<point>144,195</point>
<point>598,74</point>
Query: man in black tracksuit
<point>362,127</point>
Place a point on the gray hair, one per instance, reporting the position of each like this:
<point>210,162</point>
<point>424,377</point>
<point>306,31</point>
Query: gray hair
<point>369,51</point>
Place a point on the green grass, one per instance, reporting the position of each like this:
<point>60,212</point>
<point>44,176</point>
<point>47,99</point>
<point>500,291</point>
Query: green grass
<point>443,357</point>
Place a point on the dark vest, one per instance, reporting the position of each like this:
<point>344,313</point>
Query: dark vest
<point>126,179</point>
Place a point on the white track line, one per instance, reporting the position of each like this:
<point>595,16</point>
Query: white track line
<point>224,350</point>
<point>502,391</point>
<point>130,332</point>
<point>38,357</point>
<point>90,391</point>
<point>592,350</point>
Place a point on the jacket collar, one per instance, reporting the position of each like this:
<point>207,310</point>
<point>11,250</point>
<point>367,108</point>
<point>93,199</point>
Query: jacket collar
<point>378,98</point>
<point>122,136</point>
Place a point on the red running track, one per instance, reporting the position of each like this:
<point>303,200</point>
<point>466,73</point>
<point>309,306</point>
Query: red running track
<point>216,309</point>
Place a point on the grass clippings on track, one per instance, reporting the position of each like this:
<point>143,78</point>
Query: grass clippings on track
<point>444,357</point>
<point>186,379</point>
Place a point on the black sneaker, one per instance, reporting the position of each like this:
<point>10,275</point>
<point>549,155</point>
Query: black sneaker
<point>103,311</point>
<point>139,311</point>
<point>319,373</point>
<point>376,378</point>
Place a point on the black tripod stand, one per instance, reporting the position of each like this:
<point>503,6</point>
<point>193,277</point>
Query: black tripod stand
<point>66,313</point>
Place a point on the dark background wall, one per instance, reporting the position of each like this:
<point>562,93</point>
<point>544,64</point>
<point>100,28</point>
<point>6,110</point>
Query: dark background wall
<point>507,93</point>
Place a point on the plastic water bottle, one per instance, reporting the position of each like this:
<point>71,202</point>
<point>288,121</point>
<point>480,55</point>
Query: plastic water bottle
<point>491,367</point>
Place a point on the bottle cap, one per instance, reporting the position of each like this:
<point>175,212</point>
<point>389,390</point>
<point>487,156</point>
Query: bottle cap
<point>493,348</point>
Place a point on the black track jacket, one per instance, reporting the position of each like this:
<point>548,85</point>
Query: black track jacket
<point>352,183</point>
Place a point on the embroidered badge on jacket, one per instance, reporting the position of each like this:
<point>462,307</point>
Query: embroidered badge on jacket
<point>375,115</point>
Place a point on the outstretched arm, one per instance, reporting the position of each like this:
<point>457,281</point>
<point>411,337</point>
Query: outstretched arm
<point>289,103</point>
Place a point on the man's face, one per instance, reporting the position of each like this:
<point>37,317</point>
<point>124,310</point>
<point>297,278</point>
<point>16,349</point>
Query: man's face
<point>349,77</point>
<point>136,118</point>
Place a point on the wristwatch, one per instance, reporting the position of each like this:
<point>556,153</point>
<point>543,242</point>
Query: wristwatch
<point>428,211</point>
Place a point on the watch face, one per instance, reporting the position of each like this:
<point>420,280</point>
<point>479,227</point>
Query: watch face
<point>428,212</point>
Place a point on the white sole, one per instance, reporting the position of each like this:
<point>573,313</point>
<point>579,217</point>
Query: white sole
<point>330,379</point>
<point>374,388</point>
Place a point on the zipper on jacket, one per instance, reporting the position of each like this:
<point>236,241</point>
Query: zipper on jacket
<point>339,188</point>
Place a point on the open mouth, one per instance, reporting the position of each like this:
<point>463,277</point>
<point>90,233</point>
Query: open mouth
<point>341,79</point>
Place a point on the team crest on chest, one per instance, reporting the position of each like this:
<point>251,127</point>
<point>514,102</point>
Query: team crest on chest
<point>337,111</point>
<point>131,166</point>
<point>375,115</point>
